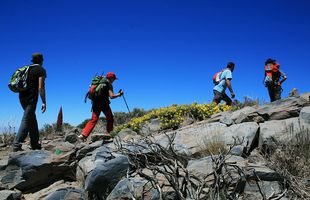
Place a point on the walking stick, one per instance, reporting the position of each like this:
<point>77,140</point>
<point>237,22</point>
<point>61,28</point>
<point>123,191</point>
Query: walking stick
<point>126,103</point>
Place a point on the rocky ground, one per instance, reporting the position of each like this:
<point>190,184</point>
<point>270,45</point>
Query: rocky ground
<point>156,164</point>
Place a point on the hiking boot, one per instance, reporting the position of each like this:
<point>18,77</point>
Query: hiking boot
<point>36,147</point>
<point>82,138</point>
<point>17,149</point>
<point>106,135</point>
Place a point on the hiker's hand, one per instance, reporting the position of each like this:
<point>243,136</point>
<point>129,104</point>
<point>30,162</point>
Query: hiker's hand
<point>279,83</point>
<point>43,108</point>
<point>121,92</point>
<point>232,95</point>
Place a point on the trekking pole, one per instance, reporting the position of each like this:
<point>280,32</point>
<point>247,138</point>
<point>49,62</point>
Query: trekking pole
<point>125,102</point>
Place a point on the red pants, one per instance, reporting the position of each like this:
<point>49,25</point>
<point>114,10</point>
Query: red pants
<point>95,116</point>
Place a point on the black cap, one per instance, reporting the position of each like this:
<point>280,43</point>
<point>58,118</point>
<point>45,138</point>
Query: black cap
<point>37,58</point>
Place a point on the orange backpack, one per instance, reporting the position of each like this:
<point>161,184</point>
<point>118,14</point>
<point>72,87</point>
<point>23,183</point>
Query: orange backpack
<point>270,69</point>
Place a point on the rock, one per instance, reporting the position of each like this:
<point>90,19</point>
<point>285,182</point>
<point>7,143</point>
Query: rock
<point>274,132</point>
<point>30,170</point>
<point>133,188</point>
<point>71,138</point>
<point>103,170</point>
<point>128,134</point>
<point>294,93</point>
<point>227,120</point>
<point>100,137</point>
<point>304,118</point>
<point>85,149</point>
<point>241,115</point>
<point>187,121</point>
<point>10,195</point>
<point>103,178</point>
<point>306,96</point>
<point>246,132</point>
<point>251,190</point>
<point>218,116</point>
<point>150,127</point>
<point>194,138</point>
<point>67,194</point>
<point>282,109</point>
<point>51,190</point>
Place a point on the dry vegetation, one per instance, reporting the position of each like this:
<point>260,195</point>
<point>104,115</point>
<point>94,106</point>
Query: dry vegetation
<point>292,160</point>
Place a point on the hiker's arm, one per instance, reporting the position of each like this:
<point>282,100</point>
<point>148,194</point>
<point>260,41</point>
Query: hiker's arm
<point>283,78</point>
<point>42,93</point>
<point>230,88</point>
<point>113,96</point>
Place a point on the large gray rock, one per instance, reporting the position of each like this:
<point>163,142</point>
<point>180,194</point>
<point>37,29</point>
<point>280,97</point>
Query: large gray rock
<point>103,170</point>
<point>51,190</point>
<point>128,134</point>
<point>133,188</point>
<point>150,127</point>
<point>10,195</point>
<point>192,139</point>
<point>28,171</point>
<point>67,194</point>
<point>246,132</point>
<point>242,115</point>
<point>304,118</point>
<point>275,132</point>
<point>282,109</point>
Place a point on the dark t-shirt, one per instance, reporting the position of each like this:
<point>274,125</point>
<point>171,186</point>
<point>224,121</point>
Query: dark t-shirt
<point>102,101</point>
<point>32,93</point>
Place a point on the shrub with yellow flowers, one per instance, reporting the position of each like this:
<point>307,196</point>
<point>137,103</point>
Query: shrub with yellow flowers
<point>172,117</point>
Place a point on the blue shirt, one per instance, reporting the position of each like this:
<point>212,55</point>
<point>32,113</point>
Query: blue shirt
<point>221,87</point>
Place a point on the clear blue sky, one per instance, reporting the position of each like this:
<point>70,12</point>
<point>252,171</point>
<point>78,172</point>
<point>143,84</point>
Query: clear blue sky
<point>164,51</point>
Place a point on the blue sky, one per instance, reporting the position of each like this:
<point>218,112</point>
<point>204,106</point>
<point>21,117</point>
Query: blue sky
<point>163,51</point>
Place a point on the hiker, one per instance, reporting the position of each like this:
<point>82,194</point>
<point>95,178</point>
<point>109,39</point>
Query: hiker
<point>28,100</point>
<point>100,104</point>
<point>274,78</point>
<point>224,80</point>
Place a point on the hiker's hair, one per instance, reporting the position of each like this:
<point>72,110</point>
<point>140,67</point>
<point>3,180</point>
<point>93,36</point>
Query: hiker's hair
<point>37,58</point>
<point>230,65</point>
<point>270,61</point>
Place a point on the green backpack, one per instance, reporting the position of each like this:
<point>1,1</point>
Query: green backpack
<point>18,81</point>
<point>99,86</point>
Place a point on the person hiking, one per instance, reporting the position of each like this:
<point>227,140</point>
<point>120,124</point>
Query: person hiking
<point>28,100</point>
<point>102,104</point>
<point>225,78</point>
<point>273,79</point>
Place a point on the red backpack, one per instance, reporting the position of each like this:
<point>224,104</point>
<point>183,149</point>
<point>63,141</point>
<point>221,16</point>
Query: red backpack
<point>270,69</point>
<point>217,77</point>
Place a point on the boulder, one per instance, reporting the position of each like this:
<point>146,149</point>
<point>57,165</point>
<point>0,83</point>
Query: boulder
<point>53,190</point>
<point>274,132</point>
<point>128,134</point>
<point>133,188</point>
<point>246,135</point>
<point>10,195</point>
<point>304,118</point>
<point>192,139</point>
<point>282,109</point>
<point>153,125</point>
<point>242,115</point>
<point>32,170</point>
<point>67,194</point>
<point>71,137</point>
<point>103,170</point>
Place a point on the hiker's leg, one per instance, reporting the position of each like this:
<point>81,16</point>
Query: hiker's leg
<point>24,127</point>
<point>34,130</point>
<point>217,97</point>
<point>110,120</point>
<point>91,124</point>
<point>277,92</point>
<point>227,99</point>
<point>271,92</point>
